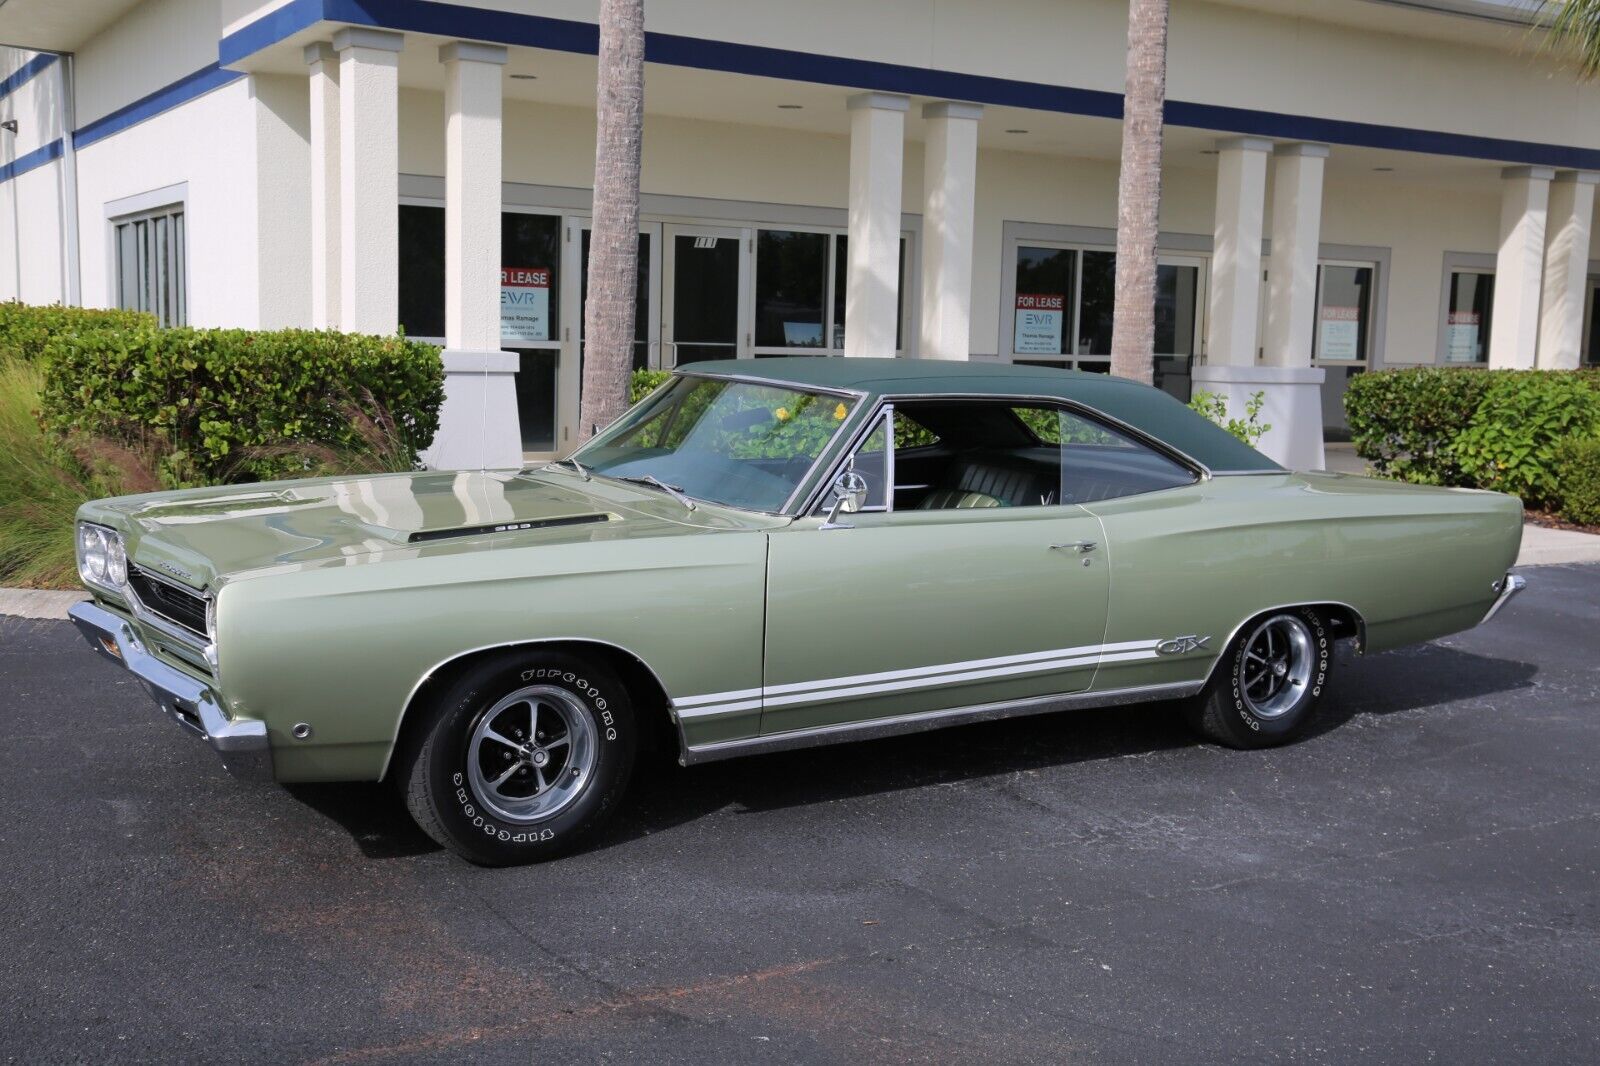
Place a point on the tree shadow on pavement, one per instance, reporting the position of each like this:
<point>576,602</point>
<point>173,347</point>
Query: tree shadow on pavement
<point>665,795</point>
<point>669,795</point>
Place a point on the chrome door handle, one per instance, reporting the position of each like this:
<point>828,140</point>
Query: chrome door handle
<point>1080,545</point>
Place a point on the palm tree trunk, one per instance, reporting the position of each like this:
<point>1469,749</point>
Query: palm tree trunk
<point>1133,326</point>
<point>608,320</point>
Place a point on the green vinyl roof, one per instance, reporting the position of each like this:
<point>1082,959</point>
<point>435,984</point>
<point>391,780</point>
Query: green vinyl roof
<point>1146,409</point>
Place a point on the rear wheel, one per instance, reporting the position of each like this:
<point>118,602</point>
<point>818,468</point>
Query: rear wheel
<point>521,758</point>
<point>1266,689</point>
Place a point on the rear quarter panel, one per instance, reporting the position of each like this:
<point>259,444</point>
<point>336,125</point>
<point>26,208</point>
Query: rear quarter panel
<point>343,647</point>
<point>1415,563</point>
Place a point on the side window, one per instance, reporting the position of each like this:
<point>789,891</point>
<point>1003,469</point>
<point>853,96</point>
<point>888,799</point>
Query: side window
<point>1098,462</point>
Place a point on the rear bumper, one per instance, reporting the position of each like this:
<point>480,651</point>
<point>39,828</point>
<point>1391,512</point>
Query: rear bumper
<point>241,745</point>
<point>1506,587</point>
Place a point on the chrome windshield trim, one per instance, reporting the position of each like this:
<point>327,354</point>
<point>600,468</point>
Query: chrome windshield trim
<point>786,510</point>
<point>922,721</point>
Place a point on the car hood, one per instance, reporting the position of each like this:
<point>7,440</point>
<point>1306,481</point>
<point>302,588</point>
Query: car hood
<point>201,536</point>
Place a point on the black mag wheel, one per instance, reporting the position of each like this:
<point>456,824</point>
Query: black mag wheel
<point>522,758</point>
<point>1265,689</point>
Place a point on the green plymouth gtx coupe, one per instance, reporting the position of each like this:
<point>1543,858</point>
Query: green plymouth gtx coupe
<point>765,555</point>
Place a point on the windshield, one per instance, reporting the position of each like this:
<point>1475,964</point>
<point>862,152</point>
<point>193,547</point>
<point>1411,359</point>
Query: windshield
<point>729,442</point>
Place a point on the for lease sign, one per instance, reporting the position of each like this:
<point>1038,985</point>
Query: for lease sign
<point>1038,327</point>
<point>524,305</point>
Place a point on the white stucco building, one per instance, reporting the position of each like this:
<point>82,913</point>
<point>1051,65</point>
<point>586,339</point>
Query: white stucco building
<point>1350,184</point>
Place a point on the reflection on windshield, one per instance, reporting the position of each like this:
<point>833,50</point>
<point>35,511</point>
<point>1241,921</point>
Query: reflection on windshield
<point>729,442</point>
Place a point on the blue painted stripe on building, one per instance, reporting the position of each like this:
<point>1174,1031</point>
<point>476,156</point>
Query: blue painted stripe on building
<point>36,158</point>
<point>181,91</point>
<point>26,73</point>
<point>538,31</point>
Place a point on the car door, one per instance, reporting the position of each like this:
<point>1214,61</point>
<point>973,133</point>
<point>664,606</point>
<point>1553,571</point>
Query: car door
<point>885,613</point>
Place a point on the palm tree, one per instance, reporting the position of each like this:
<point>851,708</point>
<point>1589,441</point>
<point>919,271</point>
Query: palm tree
<point>1133,324</point>
<point>608,318</point>
<point>1573,25</point>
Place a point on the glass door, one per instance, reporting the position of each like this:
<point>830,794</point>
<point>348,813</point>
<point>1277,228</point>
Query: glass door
<point>531,320</point>
<point>1180,321</point>
<point>1342,340</point>
<point>705,294</point>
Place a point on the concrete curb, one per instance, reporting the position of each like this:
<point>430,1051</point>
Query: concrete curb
<point>37,603</point>
<point>1540,547</point>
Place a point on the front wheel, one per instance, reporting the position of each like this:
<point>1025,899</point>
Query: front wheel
<point>1266,689</point>
<point>521,758</point>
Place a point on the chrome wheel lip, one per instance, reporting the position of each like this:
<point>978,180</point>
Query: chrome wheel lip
<point>1276,665</point>
<point>548,704</point>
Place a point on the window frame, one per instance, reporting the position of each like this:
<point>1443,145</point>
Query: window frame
<point>171,205</point>
<point>1461,263</point>
<point>1369,327</point>
<point>816,500</point>
<point>836,276</point>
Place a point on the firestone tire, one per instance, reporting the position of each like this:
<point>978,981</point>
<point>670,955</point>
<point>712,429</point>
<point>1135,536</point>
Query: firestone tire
<point>522,759</point>
<point>1266,689</point>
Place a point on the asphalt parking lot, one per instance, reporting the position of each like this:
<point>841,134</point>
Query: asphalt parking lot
<point>1417,880</point>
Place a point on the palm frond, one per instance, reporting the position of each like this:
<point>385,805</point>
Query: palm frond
<point>1571,30</point>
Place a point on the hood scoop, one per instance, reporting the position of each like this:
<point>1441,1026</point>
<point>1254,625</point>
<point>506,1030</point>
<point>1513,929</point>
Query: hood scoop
<point>424,535</point>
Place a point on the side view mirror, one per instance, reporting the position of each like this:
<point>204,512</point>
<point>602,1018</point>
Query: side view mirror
<point>849,496</point>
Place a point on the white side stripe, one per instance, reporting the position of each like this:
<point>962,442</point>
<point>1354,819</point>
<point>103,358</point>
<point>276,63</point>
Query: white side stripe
<point>921,677</point>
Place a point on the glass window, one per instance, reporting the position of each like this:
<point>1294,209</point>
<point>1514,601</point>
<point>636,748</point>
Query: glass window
<point>1344,304</point>
<point>530,275</point>
<point>1466,325</point>
<point>705,297</point>
<point>1591,343</point>
<point>791,289</point>
<point>422,270</point>
<point>1177,293</point>
<point>1044,298</point>
<point>732,442</point>
<point>152,274</point>
<point>1098,294</point>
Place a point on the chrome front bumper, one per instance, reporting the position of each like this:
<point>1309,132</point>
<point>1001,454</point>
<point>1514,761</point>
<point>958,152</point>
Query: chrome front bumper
<point>1507,587</point>
<point>242,745</point>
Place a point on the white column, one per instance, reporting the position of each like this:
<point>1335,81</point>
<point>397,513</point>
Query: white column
<point>1290,387</point>
<point>369,179</point>
<point>324,64</point>
<point>1566,268</point>
<point>1236,253</point>
<point>1296,230</point>
<point>949,196</point>
<point>1524,201</point>
<point>872,292</point>
<point>478,422</point>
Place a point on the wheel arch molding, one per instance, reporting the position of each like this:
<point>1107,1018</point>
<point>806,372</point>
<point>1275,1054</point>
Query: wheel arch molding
<point>644,685</point>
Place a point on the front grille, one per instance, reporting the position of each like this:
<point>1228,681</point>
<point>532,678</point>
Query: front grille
<point>179,606</point>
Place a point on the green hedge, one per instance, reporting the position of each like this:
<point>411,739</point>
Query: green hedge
<point>26,330</point>
<point>1501,429</point>
<point>235,405</point>
<point>1578,460</point>
<point>644,382</point>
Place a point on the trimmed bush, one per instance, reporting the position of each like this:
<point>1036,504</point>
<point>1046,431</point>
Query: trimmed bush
<point>1405,422</point>
<point>1578,460</point>
<point>235,405</point>
<point>1510,445</point>
<point>644,382</point>
<point>25,330</point>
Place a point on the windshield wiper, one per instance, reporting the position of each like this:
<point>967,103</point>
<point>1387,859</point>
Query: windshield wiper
<point>650,479</point>
<point>581,470</point>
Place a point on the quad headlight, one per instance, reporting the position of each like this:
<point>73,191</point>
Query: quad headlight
<point>102,557</point>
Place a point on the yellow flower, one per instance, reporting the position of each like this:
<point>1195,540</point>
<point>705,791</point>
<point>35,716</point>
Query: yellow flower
<point>782,413</point>
<point>839,413</point>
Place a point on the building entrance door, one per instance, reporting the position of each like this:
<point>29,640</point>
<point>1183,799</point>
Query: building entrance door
<point>705,294</point>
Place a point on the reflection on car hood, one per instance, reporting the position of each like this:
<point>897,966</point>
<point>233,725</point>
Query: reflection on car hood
<point>207,533</point>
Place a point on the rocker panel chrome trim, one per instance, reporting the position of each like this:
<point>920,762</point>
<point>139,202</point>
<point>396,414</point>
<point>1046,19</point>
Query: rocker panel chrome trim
<point>926,720</point>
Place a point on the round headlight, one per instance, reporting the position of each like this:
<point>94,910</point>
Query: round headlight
<point>92,553</point>
<point>116,560</point>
